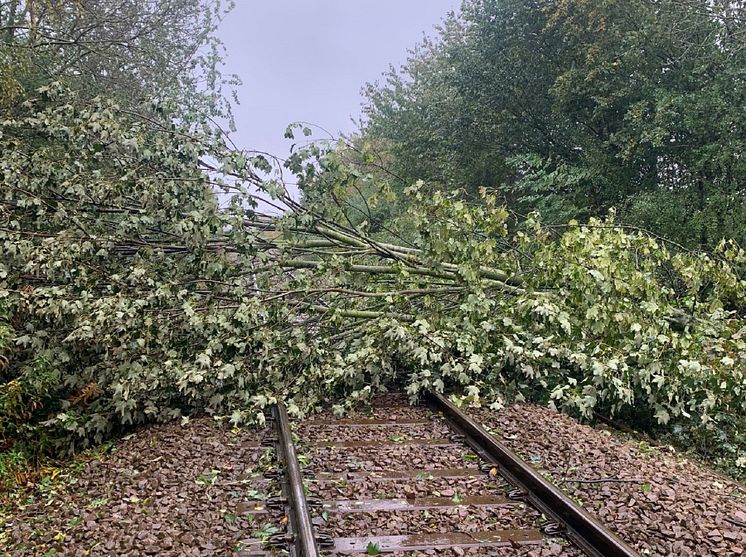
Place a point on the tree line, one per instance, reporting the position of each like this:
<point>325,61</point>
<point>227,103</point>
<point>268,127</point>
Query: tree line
<point>574,107</point>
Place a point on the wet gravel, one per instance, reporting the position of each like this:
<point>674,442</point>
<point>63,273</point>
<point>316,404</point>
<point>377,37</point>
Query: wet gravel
<point>551,549</point>
<point>192,489</point>
<point>455,519</point>
<point>169,490</point>
<point>660,503</point>
<point>393,433</point>
<point>403,457</point>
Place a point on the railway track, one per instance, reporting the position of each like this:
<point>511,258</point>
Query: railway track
<point>421,480</point>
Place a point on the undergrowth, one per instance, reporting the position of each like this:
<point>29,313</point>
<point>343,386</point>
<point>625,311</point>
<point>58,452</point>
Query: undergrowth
<point>722,447</point>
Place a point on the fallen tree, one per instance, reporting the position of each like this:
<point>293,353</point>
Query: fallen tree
<point>142,282</point>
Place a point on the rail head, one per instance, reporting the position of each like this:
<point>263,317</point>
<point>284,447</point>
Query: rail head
<point>304,535</point>
<point>584,530</point>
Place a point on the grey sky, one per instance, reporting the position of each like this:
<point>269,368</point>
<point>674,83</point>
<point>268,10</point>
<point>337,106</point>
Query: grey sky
<point>308,59</point>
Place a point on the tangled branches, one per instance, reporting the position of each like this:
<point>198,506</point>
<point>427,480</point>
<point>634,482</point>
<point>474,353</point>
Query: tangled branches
<point>143,282</point>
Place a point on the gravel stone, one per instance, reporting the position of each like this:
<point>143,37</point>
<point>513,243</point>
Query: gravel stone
<point>169,490</point>
<point>191,490</point>
<point>392,489</point>
<point>401,456</point>
<point>661,503</point>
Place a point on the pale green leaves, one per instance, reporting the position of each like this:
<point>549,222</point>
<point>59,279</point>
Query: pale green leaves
<point>174,303</point>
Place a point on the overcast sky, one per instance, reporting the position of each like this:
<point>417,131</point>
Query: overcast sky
<point>308,59</point>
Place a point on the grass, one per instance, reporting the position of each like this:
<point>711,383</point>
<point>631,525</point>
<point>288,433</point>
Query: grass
<point>15,468</point>
<point>25,479</point>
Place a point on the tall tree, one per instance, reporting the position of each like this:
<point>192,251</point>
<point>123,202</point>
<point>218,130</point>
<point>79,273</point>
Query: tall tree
<point>572,107</point>
<point>128,50</point>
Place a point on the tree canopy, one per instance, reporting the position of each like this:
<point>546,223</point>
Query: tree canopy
<point>573,107</point>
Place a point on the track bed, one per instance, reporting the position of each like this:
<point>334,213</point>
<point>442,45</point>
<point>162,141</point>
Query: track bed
<point>396,478</point>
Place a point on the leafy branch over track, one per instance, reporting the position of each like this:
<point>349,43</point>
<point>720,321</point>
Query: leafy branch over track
<point>142,282</point>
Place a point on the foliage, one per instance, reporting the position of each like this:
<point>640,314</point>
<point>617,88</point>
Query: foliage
<point>10,463</point>
<point>149,57</point>
<point>135,297</point>
<point>110,233</point>
<point>141,282</point>
<point>573,107</point>
<point>722,445</point>
<point>128,50</point>
<point>5,337</point>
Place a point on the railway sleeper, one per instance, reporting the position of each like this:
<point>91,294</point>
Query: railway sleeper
<point>564,516</point>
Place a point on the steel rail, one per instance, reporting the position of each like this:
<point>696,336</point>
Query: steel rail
<point>303,534</point>
<point>584,530</point>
